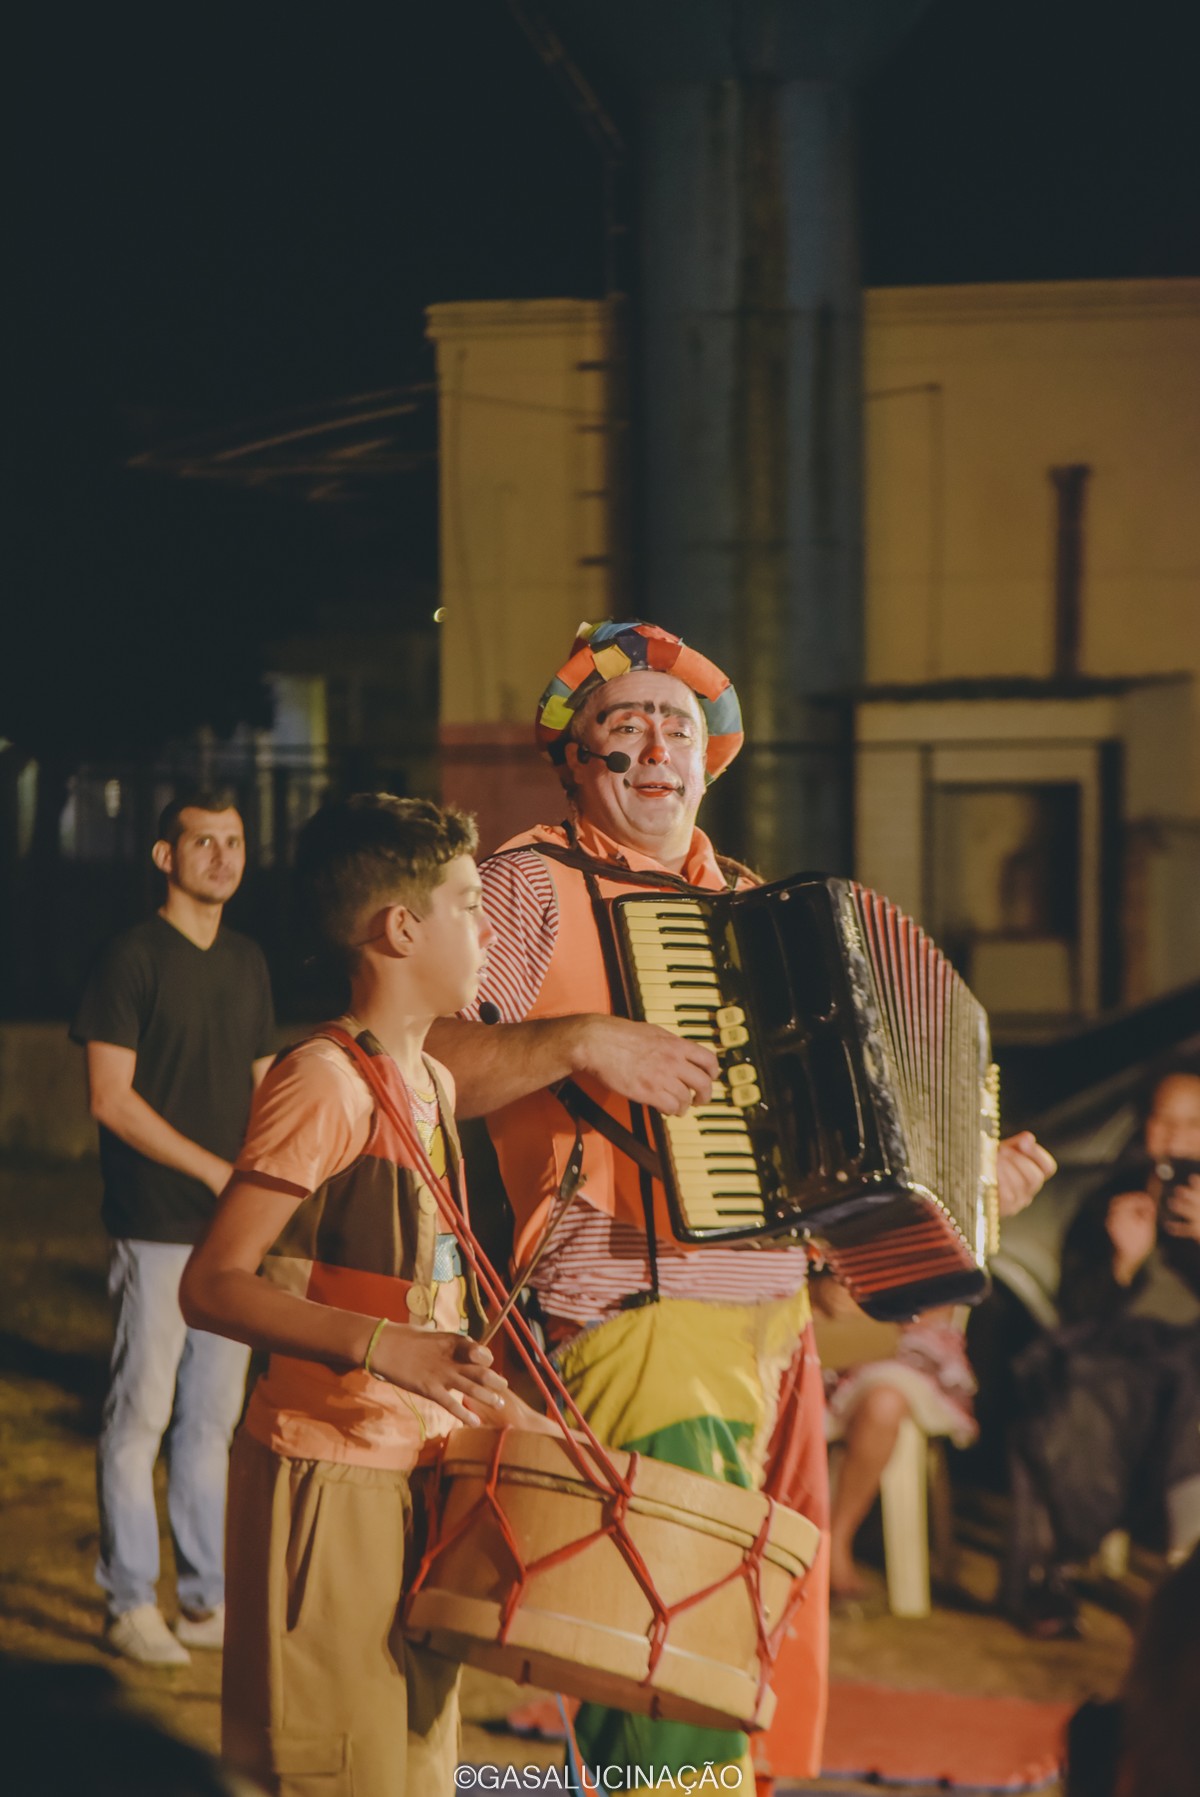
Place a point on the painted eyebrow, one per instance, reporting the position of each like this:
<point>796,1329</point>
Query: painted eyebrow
<point>665,710</point>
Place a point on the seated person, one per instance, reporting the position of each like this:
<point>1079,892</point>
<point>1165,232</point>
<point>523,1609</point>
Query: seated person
<point>1111,1399</point>
<point>927,1377</point>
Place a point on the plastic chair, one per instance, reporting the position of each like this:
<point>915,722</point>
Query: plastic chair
<point>915,1481</point>
<point>915,1488</point>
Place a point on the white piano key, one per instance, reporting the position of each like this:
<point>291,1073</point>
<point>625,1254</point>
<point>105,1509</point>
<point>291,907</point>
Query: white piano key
<point>646,956</point>
<point>710,1216</point>
<point>662,917</point>
<point>718,1188</point>
<point>704,1170</point>
<point>709,1119</point>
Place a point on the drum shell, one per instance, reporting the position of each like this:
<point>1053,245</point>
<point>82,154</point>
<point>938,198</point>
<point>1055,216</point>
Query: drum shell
<point>583,1626</point>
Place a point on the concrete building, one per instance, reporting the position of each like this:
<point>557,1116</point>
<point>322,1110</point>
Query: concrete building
<point>1027,747</point>
<point>526,518</point>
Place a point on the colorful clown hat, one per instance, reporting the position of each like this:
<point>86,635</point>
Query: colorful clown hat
<point>603,651</point>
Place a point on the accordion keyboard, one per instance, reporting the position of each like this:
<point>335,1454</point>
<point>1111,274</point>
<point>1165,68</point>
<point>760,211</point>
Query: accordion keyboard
<point>857,1105</point>
<point>669,951</point>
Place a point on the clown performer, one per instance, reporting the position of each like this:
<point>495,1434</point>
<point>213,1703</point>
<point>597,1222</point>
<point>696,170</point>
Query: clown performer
<point>702,1357</point>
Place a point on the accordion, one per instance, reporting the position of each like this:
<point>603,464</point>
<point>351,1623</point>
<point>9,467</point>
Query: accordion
<point>858,1105</point>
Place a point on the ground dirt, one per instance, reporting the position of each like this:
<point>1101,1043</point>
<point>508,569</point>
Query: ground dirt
<point>54,1339</point>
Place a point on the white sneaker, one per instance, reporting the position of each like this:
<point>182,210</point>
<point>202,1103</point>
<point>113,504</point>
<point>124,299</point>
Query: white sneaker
<point>143,1635</point>
<point>202,1631</point>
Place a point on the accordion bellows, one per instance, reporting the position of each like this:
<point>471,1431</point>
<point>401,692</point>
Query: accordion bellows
<point>858,1104</point>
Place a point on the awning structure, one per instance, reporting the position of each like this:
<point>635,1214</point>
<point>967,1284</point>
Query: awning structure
<point>337,450</point>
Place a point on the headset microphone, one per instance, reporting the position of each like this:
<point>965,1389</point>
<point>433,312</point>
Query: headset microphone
<point>488,1012</point>
<point>616,763</point>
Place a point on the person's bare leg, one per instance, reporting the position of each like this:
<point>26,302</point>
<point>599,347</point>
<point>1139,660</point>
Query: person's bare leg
<point>870,1437</point>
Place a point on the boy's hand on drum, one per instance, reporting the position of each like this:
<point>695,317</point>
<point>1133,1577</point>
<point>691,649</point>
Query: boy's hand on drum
<point>447,1369</point>
<point>511,1412</point>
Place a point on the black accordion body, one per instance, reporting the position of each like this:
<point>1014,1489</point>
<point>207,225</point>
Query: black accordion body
<point>858,1104</point>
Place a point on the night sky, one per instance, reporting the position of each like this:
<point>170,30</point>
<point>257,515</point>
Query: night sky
<point>217,221</point>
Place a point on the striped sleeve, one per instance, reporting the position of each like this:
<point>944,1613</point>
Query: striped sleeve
<point>522,907</point>
<point>597,1261</point>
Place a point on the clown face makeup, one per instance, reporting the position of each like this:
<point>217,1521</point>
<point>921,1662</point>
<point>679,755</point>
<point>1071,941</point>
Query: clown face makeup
<point>651,805</point>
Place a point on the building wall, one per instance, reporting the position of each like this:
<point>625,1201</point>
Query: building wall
<point>524,530</point>
<point>972,395</point>
<point>43,1092</point>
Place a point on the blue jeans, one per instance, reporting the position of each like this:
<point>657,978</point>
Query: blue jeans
<point>163,1373</point>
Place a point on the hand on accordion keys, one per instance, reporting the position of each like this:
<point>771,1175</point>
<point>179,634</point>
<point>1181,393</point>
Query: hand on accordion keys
<point>646,1063</point>
<point>1022,1168</point>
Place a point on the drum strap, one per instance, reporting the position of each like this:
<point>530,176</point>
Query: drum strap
<point>613,1486</point>
<point>579,1438</point>
<point>580,1105</point>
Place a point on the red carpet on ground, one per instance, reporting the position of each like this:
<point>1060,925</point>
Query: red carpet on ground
<point>936,1737</point>
<point>913,1737</point>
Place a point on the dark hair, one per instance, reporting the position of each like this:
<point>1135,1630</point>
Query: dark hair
<point>1176,1066</point>
<point>357,854</point>
<point>1093,1748</point>
<point>1161,1716</point>
<point>197,798</point>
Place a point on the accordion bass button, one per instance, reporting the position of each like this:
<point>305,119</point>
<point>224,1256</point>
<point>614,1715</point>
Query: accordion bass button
<point>734,1036</point>
<point>745,1096</point>
<point>729,1016</point>
<point>743,1074</point>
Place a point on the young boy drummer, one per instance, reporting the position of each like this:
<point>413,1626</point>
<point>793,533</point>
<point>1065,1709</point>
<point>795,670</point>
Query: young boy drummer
<point>328,1250</point>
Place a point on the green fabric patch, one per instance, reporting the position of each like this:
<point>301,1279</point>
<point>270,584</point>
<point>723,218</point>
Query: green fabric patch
<point>702,1444</point>
<point>612,1738</point>
<point>556,713</point>
<point>607,1737</point>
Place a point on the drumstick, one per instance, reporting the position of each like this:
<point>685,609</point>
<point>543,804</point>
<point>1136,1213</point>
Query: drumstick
<point>569,1195</point>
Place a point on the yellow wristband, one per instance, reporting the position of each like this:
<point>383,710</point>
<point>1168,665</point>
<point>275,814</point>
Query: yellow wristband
<point>378,1330</point>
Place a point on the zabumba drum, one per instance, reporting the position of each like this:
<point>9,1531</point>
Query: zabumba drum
<point>614,1578</point>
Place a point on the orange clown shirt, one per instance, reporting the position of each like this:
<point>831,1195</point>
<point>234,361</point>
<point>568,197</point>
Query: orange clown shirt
<point>547,961</point>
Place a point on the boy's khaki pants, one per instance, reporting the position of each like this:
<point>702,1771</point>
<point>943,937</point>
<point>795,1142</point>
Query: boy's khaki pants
<point>320,1692</point>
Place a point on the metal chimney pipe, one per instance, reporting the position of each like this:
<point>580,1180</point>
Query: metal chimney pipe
<point>751,390</point>
<point>1070,492</point>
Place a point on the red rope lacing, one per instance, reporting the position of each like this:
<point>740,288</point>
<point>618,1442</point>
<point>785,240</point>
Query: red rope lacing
<point>620,1486</point>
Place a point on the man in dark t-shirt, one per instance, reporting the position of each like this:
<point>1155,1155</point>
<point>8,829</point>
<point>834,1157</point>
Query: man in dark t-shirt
<point>178,1026</point>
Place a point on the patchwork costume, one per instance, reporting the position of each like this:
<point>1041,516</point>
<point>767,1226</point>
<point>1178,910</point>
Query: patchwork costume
<point>700,1357</point>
